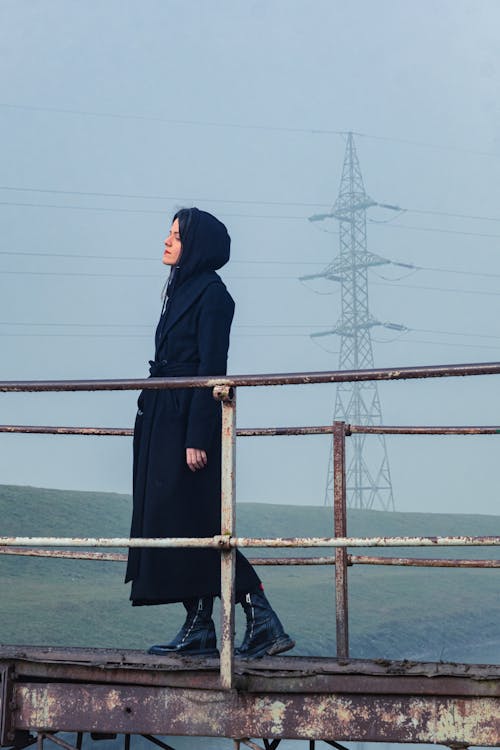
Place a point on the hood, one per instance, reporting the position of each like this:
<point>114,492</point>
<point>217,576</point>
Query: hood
<point>205,248</point>
<point>205,243</point>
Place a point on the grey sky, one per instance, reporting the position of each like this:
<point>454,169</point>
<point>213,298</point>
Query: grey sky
<point>208,103</point>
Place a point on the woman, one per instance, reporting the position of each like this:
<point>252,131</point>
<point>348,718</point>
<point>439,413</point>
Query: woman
<point>177,452</point>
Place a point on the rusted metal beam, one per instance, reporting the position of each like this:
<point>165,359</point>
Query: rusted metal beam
<point>362,718</point>
<point>30,661</point>
<point>216,541</point>
<point>267,431</point>
<point>422,562</point>
<point>224,542</point>
<point>389,541</point>
<point>228,556</point>
<point>301,675</point>
<point>417,562</point>
<point>64,554</point>
<point>340,530</point>
<point>59,430</point>
<point>7,730</point>
<point>370,430</point>
<point>422,430</point>
<point>294,378</point>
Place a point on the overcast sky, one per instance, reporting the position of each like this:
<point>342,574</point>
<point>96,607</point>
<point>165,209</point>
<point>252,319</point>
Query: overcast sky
<point>115,113</point>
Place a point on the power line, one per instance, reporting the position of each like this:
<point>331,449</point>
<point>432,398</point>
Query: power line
<point>456,333</point>
<point>140,335</point>
<point>86,274</point>
<point>84,208</point>
<point>436,288</point>
<point>445,343</point>
<point>171,121</point>
<point>438,230</point>
<point>139,196</point>
<point>234,261</point>
<point>95,194</point>
<point>453,215</point>
<point>83,273</point>
<point>247,126</point>
<point>77,335</point>
<point>135,275</point>
<point>425,144</point>
<point>461,273</point>
<point>108,209</point>
<point>234,336</point>
<point>433,269</point>
<point>38,334</point>
<point>146,325</point>
<point>76,325</point>
<point>238,326</point>
<point>156,259</point>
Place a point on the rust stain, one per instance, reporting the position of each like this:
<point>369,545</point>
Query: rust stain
<point>463,723</point>
<point>378,718</point>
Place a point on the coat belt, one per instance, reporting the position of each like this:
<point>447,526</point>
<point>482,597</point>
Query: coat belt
<point>165,369</point>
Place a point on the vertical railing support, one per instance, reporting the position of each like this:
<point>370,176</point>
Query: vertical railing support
<point>228,556</point>
<point>340,530</point>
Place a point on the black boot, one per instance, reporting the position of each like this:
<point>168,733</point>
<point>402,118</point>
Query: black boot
<point>197,635</point>
<point>264,634</point>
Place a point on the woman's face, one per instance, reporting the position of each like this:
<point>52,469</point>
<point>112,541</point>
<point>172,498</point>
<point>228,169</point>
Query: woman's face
<point>173,246</point>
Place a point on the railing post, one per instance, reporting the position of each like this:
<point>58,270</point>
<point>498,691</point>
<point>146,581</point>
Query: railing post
<point>227,395</point>
<point>340,530</point>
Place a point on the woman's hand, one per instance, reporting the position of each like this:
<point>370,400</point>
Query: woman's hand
<point>196,458</point>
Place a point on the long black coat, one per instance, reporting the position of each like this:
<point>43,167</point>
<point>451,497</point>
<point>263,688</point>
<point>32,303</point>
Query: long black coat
<point>170,500</point>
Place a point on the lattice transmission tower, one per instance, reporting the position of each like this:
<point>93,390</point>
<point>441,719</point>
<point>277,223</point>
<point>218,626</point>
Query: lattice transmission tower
<point>368,474</point>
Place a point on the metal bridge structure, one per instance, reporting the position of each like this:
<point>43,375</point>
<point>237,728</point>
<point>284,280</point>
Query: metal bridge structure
<point>46,691</point>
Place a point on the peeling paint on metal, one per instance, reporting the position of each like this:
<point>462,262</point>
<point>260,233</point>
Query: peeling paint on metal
<point>225,541</point>
<point>388,717</point>
<point>273,379</point>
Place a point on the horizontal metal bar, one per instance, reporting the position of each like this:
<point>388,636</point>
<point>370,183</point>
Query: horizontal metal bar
<point>370,430</point>
<point>458,721</point>
<point>417,562</point>
<point>297,674</point>
<point>277,431</point>
<point>269,431</point>
<point>422,430</point>
<point>294,378</point>
<point>422,562</point>
<point>56,430</point>
<point>227,542</point>
<point>64,554</point>
<point>127,431</point>
<point>215,541</point>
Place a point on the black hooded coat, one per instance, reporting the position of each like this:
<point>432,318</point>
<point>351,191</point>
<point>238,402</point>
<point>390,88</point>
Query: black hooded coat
<point>169,500</point>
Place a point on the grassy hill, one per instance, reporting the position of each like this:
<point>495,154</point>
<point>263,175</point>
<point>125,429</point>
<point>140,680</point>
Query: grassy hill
<point>394,612</point>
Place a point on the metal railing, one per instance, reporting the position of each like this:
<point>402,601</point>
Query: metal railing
<point>224,389</point>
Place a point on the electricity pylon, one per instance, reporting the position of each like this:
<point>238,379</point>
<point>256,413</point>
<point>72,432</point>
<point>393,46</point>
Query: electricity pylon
<point>368,474</point>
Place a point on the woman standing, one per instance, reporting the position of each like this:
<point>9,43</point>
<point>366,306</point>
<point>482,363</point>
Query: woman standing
<point>177,452</point>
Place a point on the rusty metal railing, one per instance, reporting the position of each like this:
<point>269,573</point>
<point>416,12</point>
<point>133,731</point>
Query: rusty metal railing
<point>224,389</point>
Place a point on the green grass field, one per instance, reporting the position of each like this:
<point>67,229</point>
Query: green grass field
<point>436,614</point>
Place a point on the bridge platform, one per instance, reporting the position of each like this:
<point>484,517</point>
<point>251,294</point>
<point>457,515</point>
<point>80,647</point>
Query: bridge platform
<point>46,690</point>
